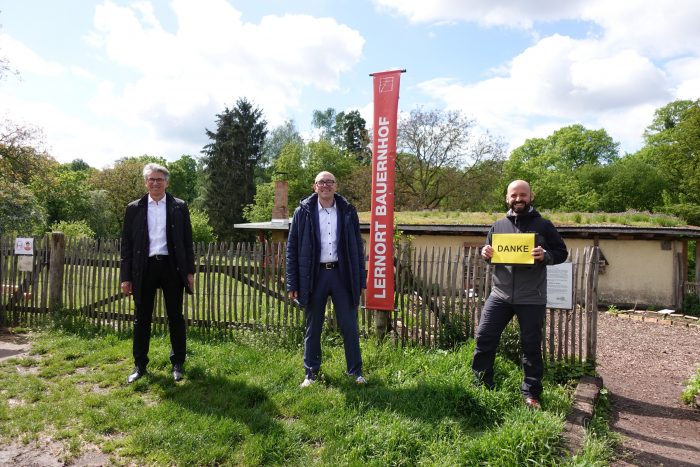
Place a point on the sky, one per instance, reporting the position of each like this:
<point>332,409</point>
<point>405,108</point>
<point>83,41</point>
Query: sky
<point>109,79</point>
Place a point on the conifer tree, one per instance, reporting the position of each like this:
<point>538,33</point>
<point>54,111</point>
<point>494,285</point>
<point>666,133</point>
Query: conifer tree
<point>230,161</point>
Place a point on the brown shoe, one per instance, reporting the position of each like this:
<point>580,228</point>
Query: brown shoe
<point>532,403</point>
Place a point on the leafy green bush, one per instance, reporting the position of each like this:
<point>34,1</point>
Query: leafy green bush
<point>454,330</point>
<point>691,304</point>
<point>692,389</point>
<point>509,346</point>
<point>201,230</point>
<point>73,229</point>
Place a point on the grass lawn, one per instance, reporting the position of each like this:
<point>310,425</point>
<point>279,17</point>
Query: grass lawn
<point>240,404</point>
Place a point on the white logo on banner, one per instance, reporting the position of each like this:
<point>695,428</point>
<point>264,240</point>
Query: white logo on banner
<point>386,84</point>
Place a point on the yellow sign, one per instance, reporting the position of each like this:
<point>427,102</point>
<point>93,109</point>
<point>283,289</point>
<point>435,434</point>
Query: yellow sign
<point>513,248</point>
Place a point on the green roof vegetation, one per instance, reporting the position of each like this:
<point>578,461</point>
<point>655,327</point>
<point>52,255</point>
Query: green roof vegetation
<point>629,218</point>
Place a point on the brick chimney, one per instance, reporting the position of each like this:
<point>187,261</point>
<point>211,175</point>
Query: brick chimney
<point>280,211</point>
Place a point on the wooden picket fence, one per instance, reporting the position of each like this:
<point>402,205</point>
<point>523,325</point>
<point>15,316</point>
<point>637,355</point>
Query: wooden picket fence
<point>241,288</point>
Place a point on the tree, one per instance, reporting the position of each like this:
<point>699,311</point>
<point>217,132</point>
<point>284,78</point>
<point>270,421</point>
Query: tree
<point>348,131</point>
<point>20,212</point>
<point>673,145</point>
<point>123,184</point>
<point>279,137</point>
<point>63,192</point>
<point>631,183</point>
<point>351,135</point>
<point>183,178</point>
<point>560,167</point>
<point>78,165</point>
<point>102,217</point>
<point>437,151</point>
<point>324,120</point>
<point>21,158</point>
<point>231,160</point>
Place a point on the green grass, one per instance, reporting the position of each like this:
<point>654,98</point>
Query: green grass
<point>629,218</point>
<point>600,441</point>
<point>240,404</point>
<point>692,388</point>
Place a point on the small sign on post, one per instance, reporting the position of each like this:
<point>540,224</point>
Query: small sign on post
<point>24,249</point>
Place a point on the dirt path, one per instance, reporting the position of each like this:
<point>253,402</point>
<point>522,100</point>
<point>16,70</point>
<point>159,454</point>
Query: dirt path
<point>644,366</point>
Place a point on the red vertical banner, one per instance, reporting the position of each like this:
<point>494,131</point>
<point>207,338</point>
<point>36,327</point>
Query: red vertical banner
<point>380,280</point>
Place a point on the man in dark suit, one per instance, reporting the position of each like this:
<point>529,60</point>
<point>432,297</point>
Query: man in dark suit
<point>325,258</point>
<point>157,253</point>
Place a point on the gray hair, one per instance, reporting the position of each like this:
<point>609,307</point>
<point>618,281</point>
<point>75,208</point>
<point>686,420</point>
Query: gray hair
<point>153,167</point>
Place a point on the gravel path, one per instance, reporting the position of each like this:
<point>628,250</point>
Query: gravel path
<point>644,366</point>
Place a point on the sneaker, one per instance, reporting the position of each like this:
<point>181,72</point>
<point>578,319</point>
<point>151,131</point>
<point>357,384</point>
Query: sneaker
<point>532,403</point>
<point>178,372</point>
<point>138,373</point>
<point>307,382</point>
<point>360,380</point>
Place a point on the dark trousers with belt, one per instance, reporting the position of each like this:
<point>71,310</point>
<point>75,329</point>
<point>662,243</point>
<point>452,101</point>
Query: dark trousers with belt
<point>160,274</point>
<point>330,284</point>
<point>495,316</point>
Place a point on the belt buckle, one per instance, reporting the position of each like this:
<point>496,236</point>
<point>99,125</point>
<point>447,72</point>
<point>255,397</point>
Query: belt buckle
<point>328,265</point>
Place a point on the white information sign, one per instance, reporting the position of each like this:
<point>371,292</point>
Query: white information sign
<point>25,263</point>
<point>560,286</point>
<point>24,246</point>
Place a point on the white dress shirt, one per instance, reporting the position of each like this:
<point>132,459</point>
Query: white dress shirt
<point>156,216</point>
<point>328,224</point>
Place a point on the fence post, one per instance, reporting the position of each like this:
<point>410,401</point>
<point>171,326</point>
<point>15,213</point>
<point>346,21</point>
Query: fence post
<point>381,323</point>
<point>58,253</point>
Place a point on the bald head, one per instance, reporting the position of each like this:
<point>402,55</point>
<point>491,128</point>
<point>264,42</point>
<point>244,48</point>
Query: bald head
<point>519,196</point>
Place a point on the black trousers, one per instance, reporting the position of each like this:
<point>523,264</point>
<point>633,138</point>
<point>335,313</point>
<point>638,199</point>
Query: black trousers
<point>495,317</point>
<point>160,274</point>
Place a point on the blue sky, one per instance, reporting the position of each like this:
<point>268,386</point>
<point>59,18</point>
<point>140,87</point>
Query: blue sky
<point>110,79</point>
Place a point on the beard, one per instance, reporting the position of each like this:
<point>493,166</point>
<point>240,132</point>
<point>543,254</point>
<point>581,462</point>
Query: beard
<point>519,208</point>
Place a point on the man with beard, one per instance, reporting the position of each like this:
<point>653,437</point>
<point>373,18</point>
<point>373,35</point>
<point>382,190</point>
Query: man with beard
<point>519,290</point>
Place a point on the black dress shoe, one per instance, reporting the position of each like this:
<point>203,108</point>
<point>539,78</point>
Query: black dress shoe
<point>178,372</point>
<point>137,373</point>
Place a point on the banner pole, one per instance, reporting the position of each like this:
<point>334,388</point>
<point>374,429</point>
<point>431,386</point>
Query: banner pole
<point>380,277</point>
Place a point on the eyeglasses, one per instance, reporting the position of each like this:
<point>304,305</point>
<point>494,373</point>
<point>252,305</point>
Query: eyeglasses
<point>156,180</point>
<point>325,182</point>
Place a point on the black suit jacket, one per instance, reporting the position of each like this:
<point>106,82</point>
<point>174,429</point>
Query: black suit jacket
<point>135,241</point>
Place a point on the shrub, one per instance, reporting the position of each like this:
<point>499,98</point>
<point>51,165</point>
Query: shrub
<point>201,230</point>
<point>509,346</point>
<point>691,304</point>
<point>73,229</point>
<point>692,389</point>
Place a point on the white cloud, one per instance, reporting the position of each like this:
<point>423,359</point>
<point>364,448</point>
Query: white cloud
<point>213,58</point>
<point>24,60</point>
<point>614,79</point>
<point>560,81</point>
<point>513,13</point>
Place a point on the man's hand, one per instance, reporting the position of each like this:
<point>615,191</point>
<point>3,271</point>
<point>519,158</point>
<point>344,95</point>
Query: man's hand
<point>126,288</point>
<point>487,252</point>
<point>538,253</point>
<point>293,294</point>
<point>190,281</point>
